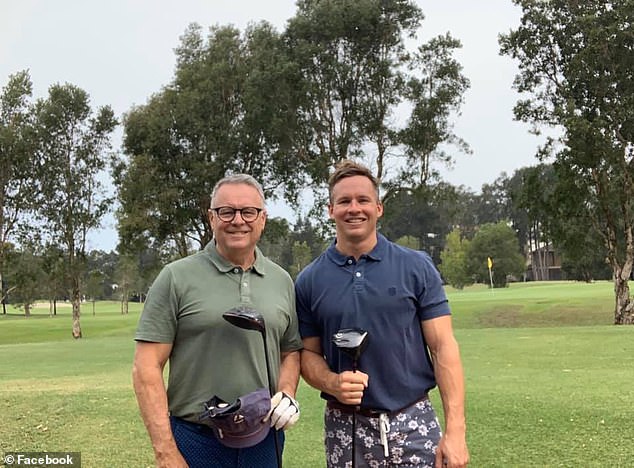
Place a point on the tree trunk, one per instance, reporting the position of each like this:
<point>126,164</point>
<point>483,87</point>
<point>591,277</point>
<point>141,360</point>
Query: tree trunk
<point>624,308</point>
<point>124,301</point>
<point>76,299</point>
<point>27,310</point>
<point>93,307</point>
<point>4,307</point>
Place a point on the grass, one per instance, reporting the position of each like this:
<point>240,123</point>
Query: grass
<point>549,382</point>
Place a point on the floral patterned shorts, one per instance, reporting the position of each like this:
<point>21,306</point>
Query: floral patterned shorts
<point>406,438</point>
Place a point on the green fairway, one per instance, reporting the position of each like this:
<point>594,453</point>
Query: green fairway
<point>549,382</point>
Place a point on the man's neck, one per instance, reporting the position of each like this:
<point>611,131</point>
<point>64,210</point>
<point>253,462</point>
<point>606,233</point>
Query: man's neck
<point>244,260</point>
<point>356,249</point>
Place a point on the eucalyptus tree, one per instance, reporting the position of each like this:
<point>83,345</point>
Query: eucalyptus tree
<point>72,153</point>
<point>17,182</point>
<point>530,191</point>
<point>356,75</point>
<point>228,109</point>
<point>576,63</point>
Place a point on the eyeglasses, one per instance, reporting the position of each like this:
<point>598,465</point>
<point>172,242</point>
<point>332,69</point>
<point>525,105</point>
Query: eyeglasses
<point>227,213</point>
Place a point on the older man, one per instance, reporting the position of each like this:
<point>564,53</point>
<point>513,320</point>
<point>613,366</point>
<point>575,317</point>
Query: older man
<point>182,323</point>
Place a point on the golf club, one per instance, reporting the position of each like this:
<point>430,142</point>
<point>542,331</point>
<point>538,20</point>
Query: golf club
<point>352,341</point>
<point>249,319</point>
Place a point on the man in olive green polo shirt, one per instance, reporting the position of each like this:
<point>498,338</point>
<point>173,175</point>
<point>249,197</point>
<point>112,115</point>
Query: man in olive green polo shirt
<point>182,323</point>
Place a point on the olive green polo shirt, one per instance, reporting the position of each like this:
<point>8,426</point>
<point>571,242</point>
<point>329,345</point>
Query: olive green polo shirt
<point>209,355</point>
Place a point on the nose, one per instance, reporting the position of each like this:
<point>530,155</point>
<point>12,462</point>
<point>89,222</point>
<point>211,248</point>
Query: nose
<point>353,206</point>
<point>237,219</point>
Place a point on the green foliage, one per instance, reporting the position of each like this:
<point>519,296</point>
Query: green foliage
<point>72,145</point>
<point>227,110</point>
<point>499,242</point>
<point>410,242</point>
<point>426,213</point>
<point>301,258</point>
<point>454,260</point>
<point>575,62</point>
<point>17,162</point>
<point>354,71</point>
<point>25,273</point>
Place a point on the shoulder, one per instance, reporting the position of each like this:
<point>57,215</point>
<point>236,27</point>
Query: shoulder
<point>414,260</point>
<point>186,263</point>
<point>315,267</point>
<point>405,253</point>
<point>276,271</point>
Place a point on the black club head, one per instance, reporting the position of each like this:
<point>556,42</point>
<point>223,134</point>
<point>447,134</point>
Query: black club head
<point>245,318</point>
<point>351,341</point>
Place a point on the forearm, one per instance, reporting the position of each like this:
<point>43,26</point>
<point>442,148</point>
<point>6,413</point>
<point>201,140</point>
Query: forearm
<point>450,380</point>
<point>289,373</point>
<point>152,399</point>
<point>316,372</point>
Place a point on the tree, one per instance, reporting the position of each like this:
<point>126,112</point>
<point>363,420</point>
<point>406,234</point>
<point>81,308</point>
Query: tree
<point>227,110</point>
<point>454,260</point>
<point>26,274</point>
<point>127,275</point>
<point>576,63</point>
<point>16,160</point>
<point>301,258</point>
<point>498,242</point>
<point>354,73</point>
<point>427,213</point>
<point>73,141</point>
<point>275,241</point>
<point>530,191</point>
<point>54,275</point>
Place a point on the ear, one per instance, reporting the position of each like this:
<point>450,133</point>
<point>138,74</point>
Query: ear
<point>379,209</point>
<point>330,211</point>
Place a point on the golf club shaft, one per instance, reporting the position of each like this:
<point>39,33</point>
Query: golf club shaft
<point>354,422</point>
<point>278,455</point>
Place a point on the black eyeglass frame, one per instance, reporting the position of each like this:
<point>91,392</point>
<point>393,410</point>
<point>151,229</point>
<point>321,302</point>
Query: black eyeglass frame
<point>234,211</point>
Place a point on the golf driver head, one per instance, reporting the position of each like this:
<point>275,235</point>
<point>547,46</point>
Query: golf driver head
<point>246,318</point>
<point>351,341</point>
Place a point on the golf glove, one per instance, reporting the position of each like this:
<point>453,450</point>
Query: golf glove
<point>284,411</point>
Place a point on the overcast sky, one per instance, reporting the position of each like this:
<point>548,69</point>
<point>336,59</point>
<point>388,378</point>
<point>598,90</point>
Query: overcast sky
<point>121,51</point>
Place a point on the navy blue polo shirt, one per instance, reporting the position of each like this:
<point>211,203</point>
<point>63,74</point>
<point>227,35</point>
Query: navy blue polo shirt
<point>387,292</point>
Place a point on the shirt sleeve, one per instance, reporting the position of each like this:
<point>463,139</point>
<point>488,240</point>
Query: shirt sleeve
<point>158,320</point>
<point>308,326</point>
<point>432,300</point>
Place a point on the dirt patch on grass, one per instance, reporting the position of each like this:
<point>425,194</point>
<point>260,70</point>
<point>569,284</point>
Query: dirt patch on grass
<point>517,317</point>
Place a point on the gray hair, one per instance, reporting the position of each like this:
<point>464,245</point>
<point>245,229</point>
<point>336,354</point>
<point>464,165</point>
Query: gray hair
<point>238,179</point>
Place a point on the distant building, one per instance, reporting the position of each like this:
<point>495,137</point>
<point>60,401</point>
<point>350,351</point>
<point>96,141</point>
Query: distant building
<point>544,264</point>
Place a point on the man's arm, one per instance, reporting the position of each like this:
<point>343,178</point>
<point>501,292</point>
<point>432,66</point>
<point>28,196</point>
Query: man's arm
<point>289,373</point>
<point>346,387</point>
<point>147,377</point>
<point>445,354</point>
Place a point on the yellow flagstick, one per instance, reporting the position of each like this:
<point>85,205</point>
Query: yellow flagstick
<point>490,265</point>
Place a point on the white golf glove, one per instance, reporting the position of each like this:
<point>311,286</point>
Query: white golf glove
<point>284,411</point>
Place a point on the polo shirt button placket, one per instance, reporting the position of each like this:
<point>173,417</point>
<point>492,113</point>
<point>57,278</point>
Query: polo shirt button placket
<point>244,287</point>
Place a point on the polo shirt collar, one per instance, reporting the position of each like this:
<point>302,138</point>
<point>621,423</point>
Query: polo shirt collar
<point>225,266</point>
<point>375,254</point>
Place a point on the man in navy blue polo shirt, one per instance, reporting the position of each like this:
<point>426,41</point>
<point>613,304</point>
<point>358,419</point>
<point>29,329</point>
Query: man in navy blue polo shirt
<point>365,281</point>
